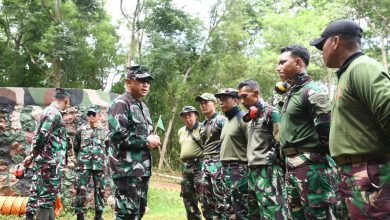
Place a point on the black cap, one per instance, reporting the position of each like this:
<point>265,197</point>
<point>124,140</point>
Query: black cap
<point>344,27</point>
<point>61,93</point>
<point>138,72</point>
<point>227,92</point>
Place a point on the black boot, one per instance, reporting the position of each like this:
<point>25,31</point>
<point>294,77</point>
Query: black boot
<point>98,215</point>
<point>29,216</point>
<point>43,214</point>
<point>80,216</point>
<point>52,214</point>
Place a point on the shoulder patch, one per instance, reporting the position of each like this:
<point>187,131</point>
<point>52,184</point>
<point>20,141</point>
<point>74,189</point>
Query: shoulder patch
<point>319,99</point>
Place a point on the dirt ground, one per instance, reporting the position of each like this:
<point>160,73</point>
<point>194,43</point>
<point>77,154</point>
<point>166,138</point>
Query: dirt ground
<point>159,182</point>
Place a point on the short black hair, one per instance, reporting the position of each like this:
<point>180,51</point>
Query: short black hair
<point>354,40</point>
<point>250,83</point>
<point>299,51</point>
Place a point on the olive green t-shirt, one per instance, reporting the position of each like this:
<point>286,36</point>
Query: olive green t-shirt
<point>190,149</point>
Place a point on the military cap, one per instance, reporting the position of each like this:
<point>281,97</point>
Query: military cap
<point>92,109</point>
<point>188,108</point>
<point>344,27</point>
<point>207,97</point>
<point>61,93</point>
<point>228,92</point>
<point>138,72</point>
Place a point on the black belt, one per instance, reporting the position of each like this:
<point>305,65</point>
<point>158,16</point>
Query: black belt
<point>211,156</point>
<point>292,151</point>
<point>351,159</point>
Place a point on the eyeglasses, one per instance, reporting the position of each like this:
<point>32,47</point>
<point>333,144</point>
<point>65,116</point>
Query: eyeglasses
<point>91,113</point>
<point>144,80</point>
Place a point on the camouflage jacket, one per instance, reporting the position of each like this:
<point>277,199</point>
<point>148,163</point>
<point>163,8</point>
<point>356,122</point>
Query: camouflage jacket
<point>130,124</point>
<point>51,137</point>
<point>90,147</point>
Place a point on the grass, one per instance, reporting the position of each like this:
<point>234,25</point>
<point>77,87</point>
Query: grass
<point>163,204</point>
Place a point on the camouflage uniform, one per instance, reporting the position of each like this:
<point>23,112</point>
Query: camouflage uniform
<point>311,175</point>
<point>191,167</point>
<point>234,160</point>
<point>130,160</point>
<point>213,186</point>
<point>51,143</point>
<point>90,149</point>
<point>267,194</point>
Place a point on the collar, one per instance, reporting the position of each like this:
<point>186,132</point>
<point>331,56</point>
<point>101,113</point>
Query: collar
<point>347,62</point>
<point>194,128</point>
<point>232,112</point>
<point>207,120</point>
<point>299,81</point>
<point>133,100</point>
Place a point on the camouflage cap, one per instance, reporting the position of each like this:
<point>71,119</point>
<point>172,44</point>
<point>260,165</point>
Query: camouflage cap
<point>91,109</point>
<point>188,108</point>
<point>61,93</point>
<point>138,72</point>
<point>207,97</point>
<point>228,92</point>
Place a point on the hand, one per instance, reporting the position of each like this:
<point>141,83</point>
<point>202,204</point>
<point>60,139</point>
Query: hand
<point>28,161</point>
<point>153,141</point>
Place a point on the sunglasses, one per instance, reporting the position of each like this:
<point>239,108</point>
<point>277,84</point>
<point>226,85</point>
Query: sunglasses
<point>144,80</point>
<point>91,113</point>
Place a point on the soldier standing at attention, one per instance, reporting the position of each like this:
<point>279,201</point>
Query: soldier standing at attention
<point>360,125</point>
<point>212,185</point>
<point>49,148</point>
<point>267,195</point>
<point>191,167</point>
<point>131,141</point>
<point>91,141</point>
<point>311,178</point>
<point>233,154</point>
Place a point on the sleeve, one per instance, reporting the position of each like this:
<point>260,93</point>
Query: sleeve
<point>275,119</point>
<point>46,127</point>
<point>121,131</point>
<point>319,108</point>
<point>244,128</point>
<point>371,85</point>
<point>77,142</point>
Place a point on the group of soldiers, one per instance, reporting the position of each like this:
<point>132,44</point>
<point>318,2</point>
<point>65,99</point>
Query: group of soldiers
<point>302,160</point>
<point>305,160</point>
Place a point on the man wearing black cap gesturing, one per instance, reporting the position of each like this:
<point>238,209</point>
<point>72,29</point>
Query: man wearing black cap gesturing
<point>360,126</point>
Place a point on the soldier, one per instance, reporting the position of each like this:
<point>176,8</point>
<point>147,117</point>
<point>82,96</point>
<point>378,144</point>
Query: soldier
<point>304,128</point>
<point>49,148</point>
<point>267,195</point>
<point>212,185</point>
<point>131,141</point>
<point>234,136</point>
<point>360,125</point>
<point>190,155</point>
<point>91,141</point>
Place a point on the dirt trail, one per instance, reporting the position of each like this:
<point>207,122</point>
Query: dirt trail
<point>159,182</point>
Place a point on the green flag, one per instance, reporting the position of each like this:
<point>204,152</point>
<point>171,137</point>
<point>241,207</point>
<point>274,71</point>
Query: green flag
<point>160,124</point>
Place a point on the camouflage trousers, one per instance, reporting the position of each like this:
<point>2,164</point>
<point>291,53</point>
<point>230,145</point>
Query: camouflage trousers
<point>190,188</point>
<point>45,187</point>
<point>131,197</point>
<point>312,187</point>
<point>212,190</point>
<point>267,193</point>
<point>365,188</point>
<point>99,183</point>
<point>236,178</point>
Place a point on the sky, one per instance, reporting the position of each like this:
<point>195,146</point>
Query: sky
<point>197,8</point>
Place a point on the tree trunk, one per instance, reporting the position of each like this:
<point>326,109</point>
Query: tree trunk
<point>57,61</point>
<point>166,139</point>
<point>213,26</point>
<point>383,44</point>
